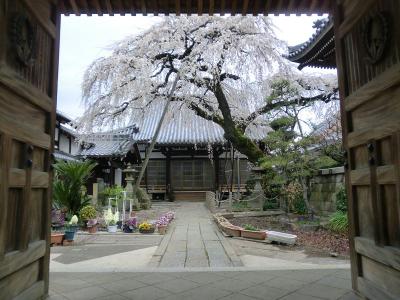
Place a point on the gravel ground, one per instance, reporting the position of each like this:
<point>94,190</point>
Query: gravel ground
<point>319,243</point>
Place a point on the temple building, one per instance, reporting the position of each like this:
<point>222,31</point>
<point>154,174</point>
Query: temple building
<point>191,155</point>
<point>319,50</point>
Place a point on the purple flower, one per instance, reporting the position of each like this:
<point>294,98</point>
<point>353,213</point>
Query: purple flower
<point>91,222</point>
<point>57,217</point>
<point>162,221</point>
<point>131,222</point>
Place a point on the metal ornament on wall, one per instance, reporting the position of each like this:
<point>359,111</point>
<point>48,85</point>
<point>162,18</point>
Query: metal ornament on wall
<point>23,39</point>
<point>375,37</point>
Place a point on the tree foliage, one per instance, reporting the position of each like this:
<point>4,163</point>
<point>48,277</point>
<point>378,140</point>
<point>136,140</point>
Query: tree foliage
<point>228,72</point>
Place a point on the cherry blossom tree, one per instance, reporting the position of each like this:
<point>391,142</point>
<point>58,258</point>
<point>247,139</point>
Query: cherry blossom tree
<point>228,69</point>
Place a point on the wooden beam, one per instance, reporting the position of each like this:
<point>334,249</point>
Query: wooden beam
<point>245,7</point>
<point>178,7</point>
<point>234,8</point>
<point>314,4</point>
<point>353,16</point>
<point>211,10</point>
<point>370,290</point>
<point>16,260</point>
<point>374,88</point>
<point>188,7</point>
<point>155,7</point>
<point>11,80</point>
<point>35,291</point>
<point>143,6</point>
<point>200,7</point>
<point>109,8</point>
<point>85,7</point>
<point>387,255</point>
<point>121,9</point>
<point>75,7</point>
<point>267,7</point>
<point>97,6</point>
<point>132,7</point>
<point>5,162</point>
<point>48,26</point>
<point>256,8</point>
<point>222,7</point>
<point>353,216</point>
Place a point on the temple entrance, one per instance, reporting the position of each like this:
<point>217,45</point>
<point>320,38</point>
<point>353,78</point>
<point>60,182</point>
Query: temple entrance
<point>367,51</point>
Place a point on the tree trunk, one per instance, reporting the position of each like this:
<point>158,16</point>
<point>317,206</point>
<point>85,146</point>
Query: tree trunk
<point>233,134</point>
<point>306,194</point>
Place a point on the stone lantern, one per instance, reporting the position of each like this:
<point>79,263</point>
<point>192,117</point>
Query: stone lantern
<point>130,178</point>
<point>258,192</point>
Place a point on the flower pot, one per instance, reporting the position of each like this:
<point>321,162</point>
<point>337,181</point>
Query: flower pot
<point>162,229</point>
<point>112,228</point>
<point>70,234</point>
<point>231,230</point>
<point>144,231</point>
<point>56,238</point>
<point>92,229</point>
<point>256,235</point>
<point>128,229</point>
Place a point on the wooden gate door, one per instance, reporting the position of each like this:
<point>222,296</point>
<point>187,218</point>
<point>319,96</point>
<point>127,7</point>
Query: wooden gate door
<point>28,46</point>
<point>367,35</point>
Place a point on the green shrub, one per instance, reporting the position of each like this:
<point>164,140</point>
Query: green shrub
<point>249,227</point>
<point>87,212</point>
<point>268,204</point>
<point>240,206</point>
<point>112,192</point>
<point>300,207</point>
<point>341,200</point>
<point>339,222</point>
<point>68,185</point>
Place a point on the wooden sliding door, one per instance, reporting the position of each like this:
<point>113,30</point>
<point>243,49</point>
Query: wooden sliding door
<point>29,46</point>
<point>367,35</point>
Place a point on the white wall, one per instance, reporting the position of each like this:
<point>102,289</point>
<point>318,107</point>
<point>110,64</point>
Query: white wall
<point>63,143</point>
<point>74,147</point>
<point>118,177</point>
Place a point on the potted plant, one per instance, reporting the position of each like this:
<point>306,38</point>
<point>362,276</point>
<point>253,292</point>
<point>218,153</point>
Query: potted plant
<point>130,225</point>
<point>92,225</point>
<point>112,226</point>
<point>111,220</point>
<point>162,224</point>
<point>146,227</point>
<point>87,213</point>
<point>251,232</point>
<point>70,228</point>
<point>57,223</point>
<point>56,238</point>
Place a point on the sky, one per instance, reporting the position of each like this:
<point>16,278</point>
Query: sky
<point>83,39</point>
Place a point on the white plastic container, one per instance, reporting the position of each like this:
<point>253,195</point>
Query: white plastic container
<point>281,237</point>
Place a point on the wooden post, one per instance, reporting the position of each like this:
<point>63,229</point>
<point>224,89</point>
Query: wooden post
<point>168,172</point>
<point>216,169</point>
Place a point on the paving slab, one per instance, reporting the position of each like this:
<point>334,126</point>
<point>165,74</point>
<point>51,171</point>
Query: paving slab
<point>184,284</point>
<point>194,233</point>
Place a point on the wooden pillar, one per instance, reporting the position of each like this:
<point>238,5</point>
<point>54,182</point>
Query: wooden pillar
<point>168,172</point>
<point>216,169</point>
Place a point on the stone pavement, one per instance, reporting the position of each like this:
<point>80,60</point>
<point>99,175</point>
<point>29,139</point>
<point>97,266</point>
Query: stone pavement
<point>245,285</point>
<point>194,241</point>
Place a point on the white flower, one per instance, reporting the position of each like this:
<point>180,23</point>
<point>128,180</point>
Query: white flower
<point>74,220</point>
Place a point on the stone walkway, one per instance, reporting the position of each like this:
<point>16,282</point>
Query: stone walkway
<point>243,285</point>
<point>194,242</point>
<point>193,261</point>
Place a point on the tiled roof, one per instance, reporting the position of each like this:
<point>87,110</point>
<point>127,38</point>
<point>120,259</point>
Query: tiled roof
<point>64,156</point>
<point>178,129</point>
<point>68,130</point>
<point>116,142</point>
<point>319,50</point>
